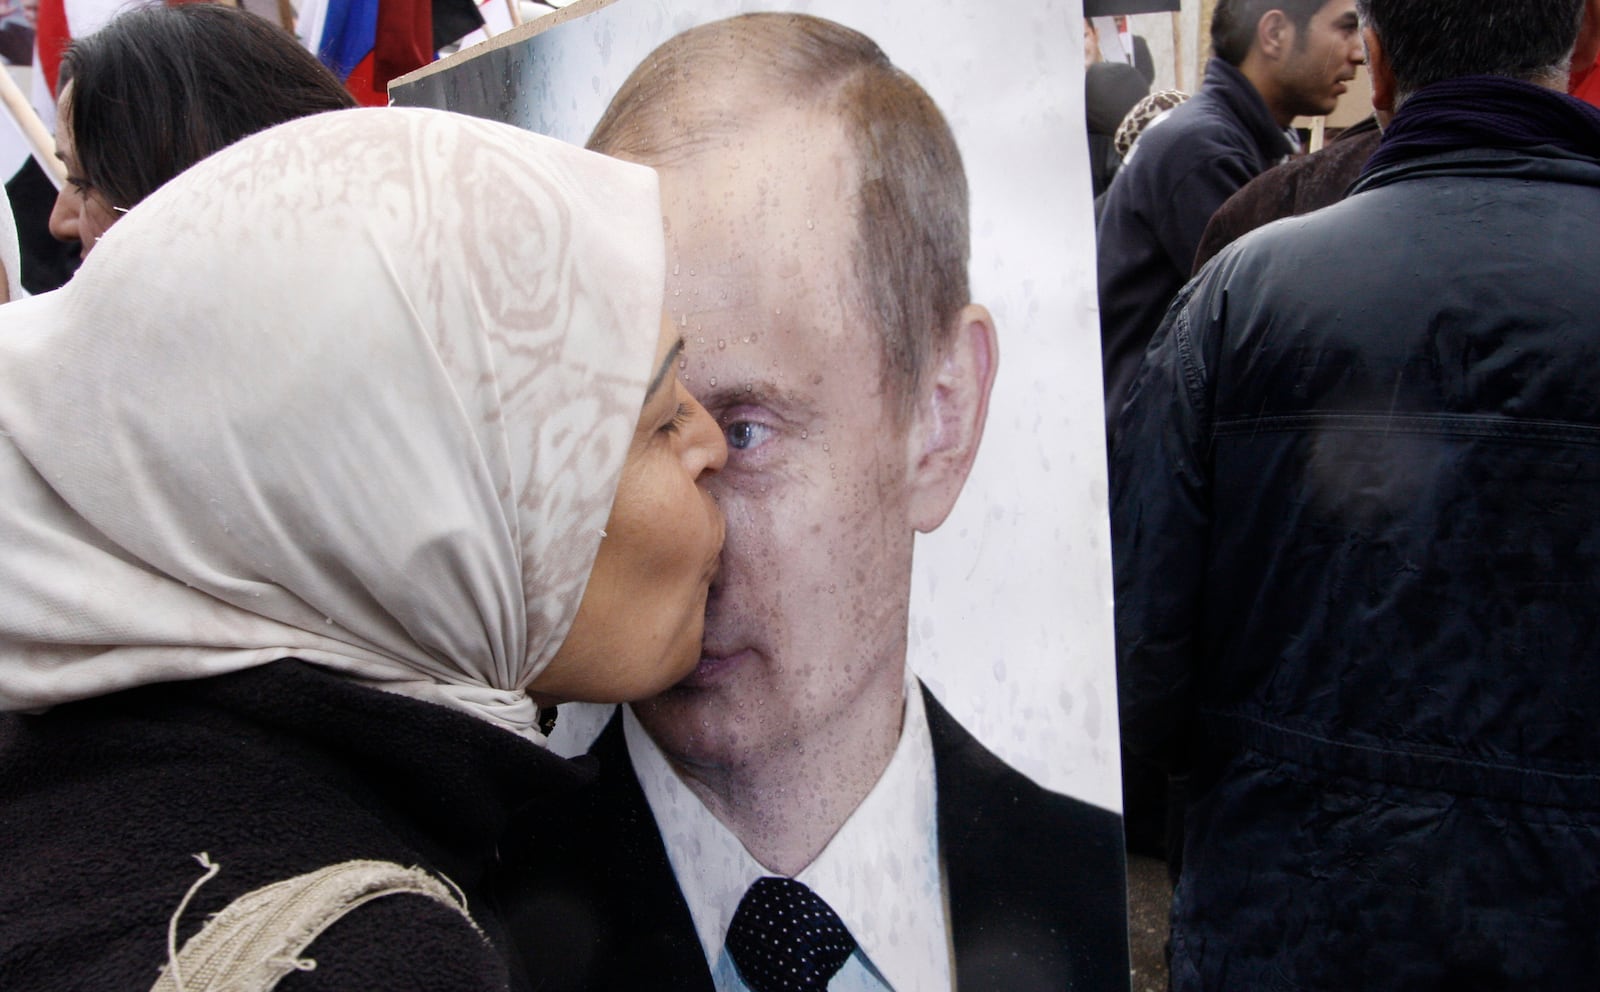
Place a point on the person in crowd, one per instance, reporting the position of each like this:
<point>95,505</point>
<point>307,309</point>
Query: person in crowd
<point>1356,549</point>
<point>816,209</point>
<point>1136,49</point>
<point>158,89</point>
<point>300,533</point>
<point>45,263</point>
<point>1127,48</point>
<point>1111,89</point>
<point>17,33</point>
<point>1296,187</point>
<point>1274,60</point>
<point>1141,115</point>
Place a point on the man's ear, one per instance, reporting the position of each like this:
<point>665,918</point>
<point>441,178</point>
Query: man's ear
<point>1383,84</point>
<point>947,423</point>
<point>1275,35</point>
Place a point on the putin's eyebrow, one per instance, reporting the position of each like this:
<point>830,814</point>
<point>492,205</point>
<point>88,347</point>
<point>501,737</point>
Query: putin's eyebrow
<point>661,373</point>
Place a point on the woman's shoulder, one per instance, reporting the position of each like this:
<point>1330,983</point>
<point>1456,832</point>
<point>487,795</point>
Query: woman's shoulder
<point>354,925</point>
<point>106,805</point>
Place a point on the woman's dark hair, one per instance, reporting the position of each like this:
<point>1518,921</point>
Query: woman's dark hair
<point>160,88</point>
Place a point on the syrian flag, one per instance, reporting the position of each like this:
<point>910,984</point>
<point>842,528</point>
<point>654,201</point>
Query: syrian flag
<point>496,16</point>
<point>366,43</point>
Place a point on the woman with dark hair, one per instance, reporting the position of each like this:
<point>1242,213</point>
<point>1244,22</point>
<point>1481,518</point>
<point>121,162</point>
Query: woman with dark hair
<point>299,536</point>
<point>160,88</point>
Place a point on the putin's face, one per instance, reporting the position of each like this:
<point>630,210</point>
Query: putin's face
<point>805,627</point>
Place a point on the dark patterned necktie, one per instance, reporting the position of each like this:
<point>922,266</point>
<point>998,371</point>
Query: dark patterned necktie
<point>784,938</point>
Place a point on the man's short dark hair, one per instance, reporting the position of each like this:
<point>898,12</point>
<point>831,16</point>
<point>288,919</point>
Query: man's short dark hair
<point>1428,41</point>
<point>160,88</point>
<point>912,244</point>
<point>1234,22</point>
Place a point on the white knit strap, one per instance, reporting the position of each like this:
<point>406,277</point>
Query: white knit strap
<point>259,937</point>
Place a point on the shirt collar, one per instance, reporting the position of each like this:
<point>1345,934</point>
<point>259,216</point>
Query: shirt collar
<point>881,872</point>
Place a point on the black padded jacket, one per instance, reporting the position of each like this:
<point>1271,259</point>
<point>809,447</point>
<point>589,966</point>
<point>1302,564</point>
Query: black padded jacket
<point>1356,524</point>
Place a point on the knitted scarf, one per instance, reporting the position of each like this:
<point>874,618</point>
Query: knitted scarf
<point>1487,112</point>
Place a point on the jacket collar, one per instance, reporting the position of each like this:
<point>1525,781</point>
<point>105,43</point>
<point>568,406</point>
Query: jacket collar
<point>1229,87</point>
<point>1534,164</point>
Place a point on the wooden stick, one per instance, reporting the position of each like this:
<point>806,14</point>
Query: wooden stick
<point>516,12</point>
<point>40,141</point>
<point>1177,50</point>
<point>1318,127</point>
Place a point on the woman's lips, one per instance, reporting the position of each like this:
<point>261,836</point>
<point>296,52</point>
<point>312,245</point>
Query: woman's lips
<point>713,668</point>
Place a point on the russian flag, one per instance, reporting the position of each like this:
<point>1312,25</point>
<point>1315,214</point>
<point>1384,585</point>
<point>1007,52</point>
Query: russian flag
<point>366,43</point>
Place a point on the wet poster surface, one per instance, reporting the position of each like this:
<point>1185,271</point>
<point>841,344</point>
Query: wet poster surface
<point>1010,609</point>
<point>1005,612</point>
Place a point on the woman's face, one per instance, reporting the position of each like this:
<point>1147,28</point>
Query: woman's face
<point>81,213</point>
<point>639,624</point>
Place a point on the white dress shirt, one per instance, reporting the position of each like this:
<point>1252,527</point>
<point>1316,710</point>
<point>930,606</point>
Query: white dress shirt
<point>881,872</point>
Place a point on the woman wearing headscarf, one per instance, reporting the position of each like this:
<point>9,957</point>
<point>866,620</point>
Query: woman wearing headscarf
<point>345,452</point>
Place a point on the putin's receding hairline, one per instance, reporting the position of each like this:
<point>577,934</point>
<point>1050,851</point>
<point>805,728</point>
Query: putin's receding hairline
<point>910,208</point>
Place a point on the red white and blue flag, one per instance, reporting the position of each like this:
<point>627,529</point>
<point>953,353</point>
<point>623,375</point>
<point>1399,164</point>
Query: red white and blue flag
<point>367,43</point>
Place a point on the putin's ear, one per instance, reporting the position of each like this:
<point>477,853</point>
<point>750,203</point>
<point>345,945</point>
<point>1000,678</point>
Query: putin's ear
<point>947,423</point>
<point>1382,74</point>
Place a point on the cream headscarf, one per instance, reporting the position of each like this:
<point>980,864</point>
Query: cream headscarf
<point>357,390</point>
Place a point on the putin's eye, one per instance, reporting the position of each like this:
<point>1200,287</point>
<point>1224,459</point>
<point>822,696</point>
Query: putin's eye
<point>743,435</point>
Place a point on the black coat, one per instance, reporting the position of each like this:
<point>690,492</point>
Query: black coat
<point>1110,90</point>
<point>1036,883</point>
<point>1176,176</point>
<point>272,772</point>
<point>1357,553</point>
<point>1296,187</point>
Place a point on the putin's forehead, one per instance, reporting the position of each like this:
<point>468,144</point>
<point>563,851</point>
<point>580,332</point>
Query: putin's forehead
<point>761,241</point>
<point>769,205</point>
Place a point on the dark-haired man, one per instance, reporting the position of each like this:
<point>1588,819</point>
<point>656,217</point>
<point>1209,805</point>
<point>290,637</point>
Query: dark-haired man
<point>1273,60</point>
<point>817,233</point>
<point>1356,543</point>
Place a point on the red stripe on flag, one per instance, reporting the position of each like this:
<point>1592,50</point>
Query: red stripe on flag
<point>361,86</point>
<point>405,39</point>
<point>51,37</point>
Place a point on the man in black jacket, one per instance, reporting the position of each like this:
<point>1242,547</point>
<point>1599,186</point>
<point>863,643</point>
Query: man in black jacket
<point>1273,61</point>
<point>1356,547</point>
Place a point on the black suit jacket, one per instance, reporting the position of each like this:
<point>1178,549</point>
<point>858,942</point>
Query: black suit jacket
<point>1037,885</point>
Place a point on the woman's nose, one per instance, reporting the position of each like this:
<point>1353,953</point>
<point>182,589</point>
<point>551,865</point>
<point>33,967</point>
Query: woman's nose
<point>64,215</point>
<point>708,450</point>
